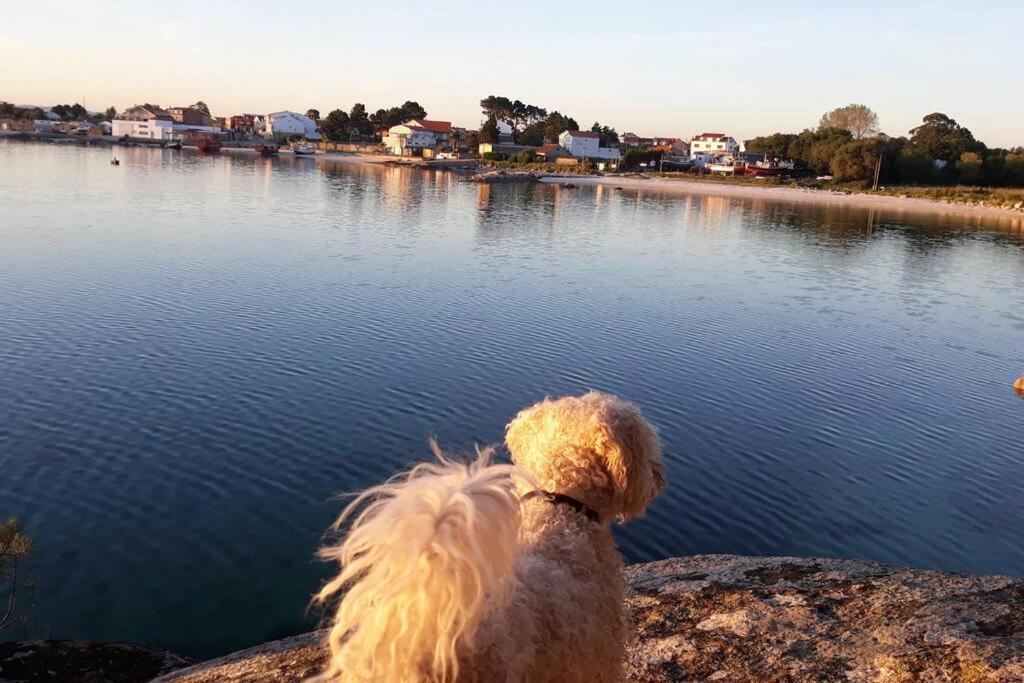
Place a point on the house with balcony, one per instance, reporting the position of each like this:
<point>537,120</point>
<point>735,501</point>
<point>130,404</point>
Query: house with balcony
<point>416,135</point>
<point>715,144</point>
<point>407,139</point>
<point>151,129</point>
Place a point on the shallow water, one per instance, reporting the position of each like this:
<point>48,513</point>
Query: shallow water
<point>196,353</point>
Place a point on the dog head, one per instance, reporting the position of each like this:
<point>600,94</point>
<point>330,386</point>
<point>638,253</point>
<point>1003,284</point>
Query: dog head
<point>596,448</point>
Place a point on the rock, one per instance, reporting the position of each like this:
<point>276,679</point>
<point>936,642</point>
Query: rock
<point>83,661</point>
<point>731,618</point>
<point>502,176</point>
<point>735,618</point>
<point>292,659</point>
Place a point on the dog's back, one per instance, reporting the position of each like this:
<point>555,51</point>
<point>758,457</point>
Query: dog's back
<point>563,622</point>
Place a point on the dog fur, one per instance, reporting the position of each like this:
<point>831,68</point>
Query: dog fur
<point>448,574</point>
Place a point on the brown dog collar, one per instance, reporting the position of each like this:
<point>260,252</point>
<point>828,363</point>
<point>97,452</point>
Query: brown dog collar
<point>562,499</point>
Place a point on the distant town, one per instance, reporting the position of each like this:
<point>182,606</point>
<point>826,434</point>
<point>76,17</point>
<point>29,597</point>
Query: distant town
<point>846,146</point>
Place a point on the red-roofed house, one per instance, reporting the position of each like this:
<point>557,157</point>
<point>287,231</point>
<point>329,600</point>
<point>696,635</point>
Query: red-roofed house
<point>551,152</point>
<point>415,135</point>
<point>442,130</point>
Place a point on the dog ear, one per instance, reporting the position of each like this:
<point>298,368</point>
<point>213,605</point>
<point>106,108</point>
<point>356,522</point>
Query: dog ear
<point>632,454</point>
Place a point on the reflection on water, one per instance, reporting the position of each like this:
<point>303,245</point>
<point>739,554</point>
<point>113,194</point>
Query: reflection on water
<point>197,352</point>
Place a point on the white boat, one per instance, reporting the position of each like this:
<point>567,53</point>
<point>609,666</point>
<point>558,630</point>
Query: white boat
<point>299,148</point>
<point>726,166</point>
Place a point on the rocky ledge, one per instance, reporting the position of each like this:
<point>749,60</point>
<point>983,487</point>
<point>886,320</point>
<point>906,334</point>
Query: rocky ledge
<point>730,618</point>
<point>506,177</point>
<point>83,661</point>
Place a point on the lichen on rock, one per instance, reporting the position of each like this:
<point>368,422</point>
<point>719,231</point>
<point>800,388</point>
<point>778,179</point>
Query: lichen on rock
<point>790,619</point>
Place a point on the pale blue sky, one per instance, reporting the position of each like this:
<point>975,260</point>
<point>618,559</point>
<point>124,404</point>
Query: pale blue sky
<point>655,68</point>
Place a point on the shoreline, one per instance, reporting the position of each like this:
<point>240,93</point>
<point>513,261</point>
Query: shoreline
<point>886,203</point>
<point>889,205</point>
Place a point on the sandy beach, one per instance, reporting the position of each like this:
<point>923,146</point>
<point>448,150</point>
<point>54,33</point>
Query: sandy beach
<point>888,206</point>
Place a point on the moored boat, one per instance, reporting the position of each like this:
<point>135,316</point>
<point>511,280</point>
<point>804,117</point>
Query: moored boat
<point>727,166</point>
<point>300,148</point>
<point>209,145</point>
<point>266,149</point>
<point>769,168</point>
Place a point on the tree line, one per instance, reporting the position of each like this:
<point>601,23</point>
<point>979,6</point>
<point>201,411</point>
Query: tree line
<point>66,112</point>
<point>847,145</point>
<point>532,125</point>
<point>357,123</point>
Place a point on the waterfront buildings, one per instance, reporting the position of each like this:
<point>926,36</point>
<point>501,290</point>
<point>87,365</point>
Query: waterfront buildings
<point>586,144</point>
<point>152,129</point>
<point>190,116</point>
<point>717,144</point>
<point>415,136</point>
<point>282,125</point>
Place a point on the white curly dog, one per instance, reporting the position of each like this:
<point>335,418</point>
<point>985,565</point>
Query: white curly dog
<point>488,573</point>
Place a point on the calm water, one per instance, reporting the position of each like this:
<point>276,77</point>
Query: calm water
<point>196,353</point>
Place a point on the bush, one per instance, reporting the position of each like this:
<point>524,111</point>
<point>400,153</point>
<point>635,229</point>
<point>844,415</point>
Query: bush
<point>524,157</point>
<point>857,160</point>
<point>494,156</point>
<point>915,168</point>
<point>635,156</point>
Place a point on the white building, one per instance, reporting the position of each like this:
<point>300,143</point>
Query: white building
<point>415,135</point>
<point>715,144</point>
<point>586,144</point>
<point>409,137</point>
<point>284,124</point>
<point>153,129</point>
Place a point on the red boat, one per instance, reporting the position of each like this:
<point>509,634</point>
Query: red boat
<point>267,150</point>
<point>209,145</point>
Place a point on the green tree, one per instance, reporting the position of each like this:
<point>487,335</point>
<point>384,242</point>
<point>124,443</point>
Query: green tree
<point>336,126</point>
<point>856,118</point>
<point>489,130</point>
<point>776,145</point>
<point>313,114</point>
<point>970,168</point>
<point>916,169</point>
<point>532,134</point>
<point>110,114</point>
<point>201,106</point>
<point>1013,169</point>
<point>608,135</point>
<point>14,547</point>
<point>516,113</point>
<point>856,160</point>
<point>940,137</point>
<point>359,121</point>
<point>411,110</point>
<point>556,124</point>
<point>814,149</point>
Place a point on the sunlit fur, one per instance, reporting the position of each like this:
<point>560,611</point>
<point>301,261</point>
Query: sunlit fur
<point>447,576</point>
